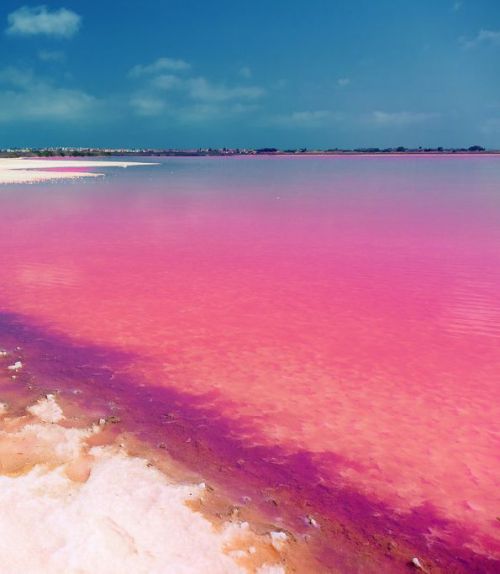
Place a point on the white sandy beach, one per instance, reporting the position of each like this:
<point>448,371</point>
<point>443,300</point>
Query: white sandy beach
<point>20,170</point>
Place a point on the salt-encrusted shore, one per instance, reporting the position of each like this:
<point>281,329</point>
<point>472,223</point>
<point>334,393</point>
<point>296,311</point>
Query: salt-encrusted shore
<point>68,506</point>
<point>72,502</point>
<point>21,170</point>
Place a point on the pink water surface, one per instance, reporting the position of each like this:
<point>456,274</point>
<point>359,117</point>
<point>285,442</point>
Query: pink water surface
<point>347,308</point>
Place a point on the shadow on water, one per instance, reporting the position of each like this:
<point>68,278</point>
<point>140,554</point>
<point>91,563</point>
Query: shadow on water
<point>346,530</point>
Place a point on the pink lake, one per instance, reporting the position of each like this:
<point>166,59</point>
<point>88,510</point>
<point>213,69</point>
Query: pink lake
<point>331,321</point>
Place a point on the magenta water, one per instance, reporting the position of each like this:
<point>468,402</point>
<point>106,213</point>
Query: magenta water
<point>345,310</point>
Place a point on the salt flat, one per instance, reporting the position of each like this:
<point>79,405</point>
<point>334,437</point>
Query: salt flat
<point>67,508</point>
<point>21,170</point>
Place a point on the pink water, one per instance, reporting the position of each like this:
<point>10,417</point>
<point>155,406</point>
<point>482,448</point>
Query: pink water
<point>345,310</point>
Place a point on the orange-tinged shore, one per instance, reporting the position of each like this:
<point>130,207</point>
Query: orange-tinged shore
<point>74,499</point>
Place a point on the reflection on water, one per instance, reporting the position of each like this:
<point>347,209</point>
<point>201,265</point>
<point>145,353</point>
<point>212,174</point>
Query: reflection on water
<point>345,307</point>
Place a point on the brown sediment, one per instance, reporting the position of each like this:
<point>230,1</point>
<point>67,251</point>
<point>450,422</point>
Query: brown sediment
<point>23,446</point>
<point>329,528</point>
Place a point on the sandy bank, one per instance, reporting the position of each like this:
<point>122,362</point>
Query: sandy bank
<point>28,171</point>
<point>68,506</point>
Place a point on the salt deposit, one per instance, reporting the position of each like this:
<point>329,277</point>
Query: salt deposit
<point>28,171</point>
<point>16,366</point>
<point>68,508</point>
<point>47,410</point>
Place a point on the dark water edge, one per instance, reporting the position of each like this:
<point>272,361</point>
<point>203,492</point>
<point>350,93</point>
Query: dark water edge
<point>343,530</point>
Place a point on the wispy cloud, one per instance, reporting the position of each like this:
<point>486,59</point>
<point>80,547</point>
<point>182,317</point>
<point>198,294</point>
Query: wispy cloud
<point>457,5</point>
<point>39,20</point>
<point>484,37</point>
<point>147,105</point>
<point>202,89</point>
<point>158,66</point>
<point>342,82</point>
<point>26,97</point>
<point>400,119</point>
<point>150,105</point>
<point>166,82</point>
<point>200,113</point>
<point>305,119</point>
<point>166,88</point>
<point>16,77</point>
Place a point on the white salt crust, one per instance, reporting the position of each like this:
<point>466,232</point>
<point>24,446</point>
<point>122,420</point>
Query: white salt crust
<point>20,170</point>
<point>17,366</point>
<point>126,518</point>
<point>47,410</point>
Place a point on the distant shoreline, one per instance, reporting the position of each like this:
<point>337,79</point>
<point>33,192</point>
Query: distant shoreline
<point>106,153</point>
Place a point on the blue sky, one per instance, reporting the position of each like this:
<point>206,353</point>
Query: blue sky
<point>285,73</point>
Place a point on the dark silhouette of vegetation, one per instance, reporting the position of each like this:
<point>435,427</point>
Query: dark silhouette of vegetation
<point>266,150</point>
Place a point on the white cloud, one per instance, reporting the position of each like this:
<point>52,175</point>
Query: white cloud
<point>209,112</point>
<point>457,5</point>
<point>186,98</point>
<point>166,82</point>
<point>23,96</point>
<point>16,77</point>
<point>399,119</point>
<point>484,37</point>
<point>147,105</point>
<point>306,119</point>
<point>39,20</point>
<point>201,89</point>
<point>160,65</point>
<point>43,103</point>
<point>342,82</point>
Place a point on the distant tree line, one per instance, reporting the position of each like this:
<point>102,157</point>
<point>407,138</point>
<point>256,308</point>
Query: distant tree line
<point>93,152</point>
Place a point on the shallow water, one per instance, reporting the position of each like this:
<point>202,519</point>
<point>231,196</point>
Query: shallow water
<point>337,319</point>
